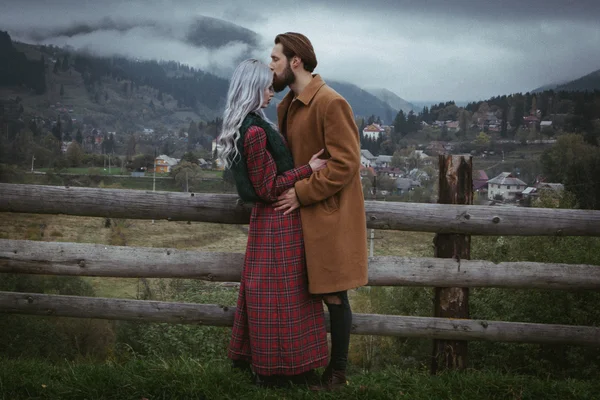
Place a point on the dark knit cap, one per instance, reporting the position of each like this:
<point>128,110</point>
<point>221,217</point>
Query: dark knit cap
<point>296,44</point>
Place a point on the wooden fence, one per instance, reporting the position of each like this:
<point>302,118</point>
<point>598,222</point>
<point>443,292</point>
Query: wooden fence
<point>34,257</point>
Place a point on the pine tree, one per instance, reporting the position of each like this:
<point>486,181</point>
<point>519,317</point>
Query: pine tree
<point>192,135</point>
<point>57,130</point>
<point>65,63</point>
<point>400,123</point>
<point>79,136</point>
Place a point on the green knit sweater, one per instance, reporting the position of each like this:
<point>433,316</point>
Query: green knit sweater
<point>275,146</point>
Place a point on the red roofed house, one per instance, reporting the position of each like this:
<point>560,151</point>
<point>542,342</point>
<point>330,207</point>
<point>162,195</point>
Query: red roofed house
<point>373,131</point>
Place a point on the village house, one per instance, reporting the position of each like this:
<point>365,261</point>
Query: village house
<point>403,185</point>
<point>480,181</point>
<point>453,126</point>
<point>531,121</point>
<point>64,146</point>
<point>506,186</point>
<point>383,161</point>
<point>373,131</point>
<point>367,159</point>
<point>393,172</point>
<point>164,163</point>
<point>437,147</point>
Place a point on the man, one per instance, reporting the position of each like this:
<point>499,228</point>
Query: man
<point>312,116</point>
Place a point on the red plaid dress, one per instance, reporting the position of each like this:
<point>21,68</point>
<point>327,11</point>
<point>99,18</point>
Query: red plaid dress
<point>279,327</point>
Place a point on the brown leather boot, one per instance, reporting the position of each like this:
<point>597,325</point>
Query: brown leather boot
<point>331,380</point>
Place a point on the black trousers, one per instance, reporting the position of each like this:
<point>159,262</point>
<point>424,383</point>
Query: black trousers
<point>340,316</point>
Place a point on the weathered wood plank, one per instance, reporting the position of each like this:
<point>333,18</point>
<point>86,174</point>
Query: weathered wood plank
<point>363,324</point>
<point>223,208</point>
<point>83,259</point>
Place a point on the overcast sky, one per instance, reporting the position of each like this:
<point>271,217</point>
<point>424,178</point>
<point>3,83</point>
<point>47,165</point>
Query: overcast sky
<point>420,49</point>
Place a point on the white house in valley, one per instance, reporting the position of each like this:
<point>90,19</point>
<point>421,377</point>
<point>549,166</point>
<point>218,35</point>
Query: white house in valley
<point>373,131</point>
<point>505,185</point>
<point>367,159</point>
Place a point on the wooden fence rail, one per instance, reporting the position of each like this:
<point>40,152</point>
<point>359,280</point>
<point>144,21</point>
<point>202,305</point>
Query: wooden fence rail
<point>363,324</point>
<point>80,259</point>
<point>223,208</point>
<point>31,257</point>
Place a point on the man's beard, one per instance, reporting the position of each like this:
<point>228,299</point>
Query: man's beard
<point>283,81</point>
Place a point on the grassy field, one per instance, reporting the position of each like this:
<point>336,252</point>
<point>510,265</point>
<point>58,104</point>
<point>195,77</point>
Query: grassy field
<point>185,378</point>
<point>118,373</point>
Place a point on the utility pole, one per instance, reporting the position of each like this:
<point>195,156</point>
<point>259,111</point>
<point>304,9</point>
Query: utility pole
<point>32,159</point>
<point>154,175</point>
<point>373,230</point>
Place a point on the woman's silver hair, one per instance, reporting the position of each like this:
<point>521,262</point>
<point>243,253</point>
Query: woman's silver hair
<point>245,95</point>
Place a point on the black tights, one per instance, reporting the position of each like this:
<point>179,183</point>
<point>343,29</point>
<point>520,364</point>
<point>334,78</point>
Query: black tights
<point>341,323</point>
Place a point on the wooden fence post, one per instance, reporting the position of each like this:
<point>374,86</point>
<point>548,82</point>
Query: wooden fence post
<point>455,187</point>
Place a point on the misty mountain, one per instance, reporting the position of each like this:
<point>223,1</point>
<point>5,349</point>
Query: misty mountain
<point>16,69</point>
<point>203,31</point>
<point>392,99</point>
<point>363,103</point>
<point>81,28</point>
<point>588,82</point>
<point>215,33</point>
<point>550,86</point>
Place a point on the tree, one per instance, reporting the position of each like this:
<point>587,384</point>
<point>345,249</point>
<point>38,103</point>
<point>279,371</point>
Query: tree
<point>504,126</point>
<point>131,145</point>
<point>399,125</point>
<point>62,90</point>
<point>397,159</point>
<point>412,125</point>
<point>189,157</point>
<point>482,140</point>
<point>187,175</point>
<point>425,115</point>
<point>111,147</point>
<point>57,130</point>
<point>79,137</point>
<point>65,63</point>
<point>387,147</point>
<point>576,164</point>
<point>193,135</point>
<point>463,122</point>
<point>143,161</point>
<point>75,154</point>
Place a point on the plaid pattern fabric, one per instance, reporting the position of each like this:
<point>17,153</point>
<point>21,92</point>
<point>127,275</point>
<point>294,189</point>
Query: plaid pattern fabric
<point>278,325</point>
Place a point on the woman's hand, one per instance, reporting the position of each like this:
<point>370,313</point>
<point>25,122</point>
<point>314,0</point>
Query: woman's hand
<point>316,163</point>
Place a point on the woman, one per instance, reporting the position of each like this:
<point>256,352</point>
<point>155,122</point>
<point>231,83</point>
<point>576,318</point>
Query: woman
<point>279,328</point>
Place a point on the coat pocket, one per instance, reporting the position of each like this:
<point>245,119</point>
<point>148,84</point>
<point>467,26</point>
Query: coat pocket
<point>332,204</point>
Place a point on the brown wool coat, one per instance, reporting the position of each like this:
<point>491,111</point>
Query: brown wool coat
<point>333,209</point>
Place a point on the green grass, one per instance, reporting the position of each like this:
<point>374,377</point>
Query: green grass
<point>190,379</point>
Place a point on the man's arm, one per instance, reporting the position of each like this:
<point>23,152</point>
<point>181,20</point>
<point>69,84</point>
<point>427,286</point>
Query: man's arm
<point>343,145</point>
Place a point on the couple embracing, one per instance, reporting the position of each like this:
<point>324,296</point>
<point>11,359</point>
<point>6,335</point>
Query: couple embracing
<point>307,233</point>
